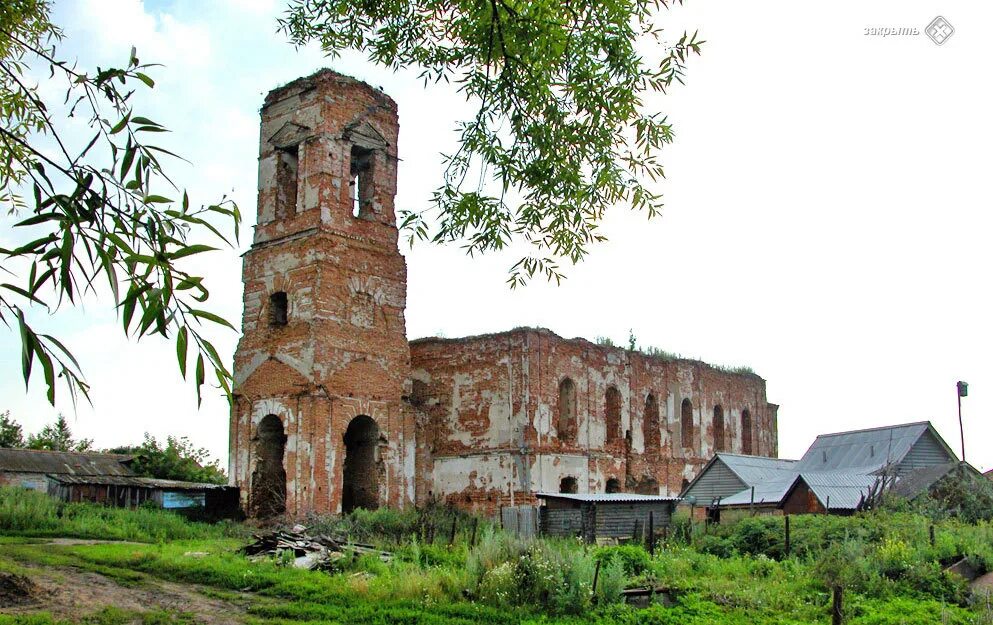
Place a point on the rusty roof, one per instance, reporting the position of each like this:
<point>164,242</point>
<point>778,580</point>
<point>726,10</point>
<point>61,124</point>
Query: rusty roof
<point>126,480</point>
<point>63,462</point>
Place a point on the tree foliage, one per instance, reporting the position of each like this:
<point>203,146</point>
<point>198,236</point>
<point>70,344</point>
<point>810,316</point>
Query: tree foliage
<point>561,132</point>
<point>94,214</point>
<point>57,436</point>
<point>177,460</point>
<point>11,434</point>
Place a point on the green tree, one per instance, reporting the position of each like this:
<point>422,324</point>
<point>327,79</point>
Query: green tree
<point>177,460</point>
<point>11,434</point>
<point>94,215</point>
<point>561,132</point>
<point>58,436</point>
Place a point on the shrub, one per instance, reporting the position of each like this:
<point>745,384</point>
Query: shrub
<point>633,558</point>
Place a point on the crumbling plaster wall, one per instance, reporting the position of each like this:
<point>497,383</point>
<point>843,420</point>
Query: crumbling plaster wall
<point>343,351</point>
<point>490,406</point>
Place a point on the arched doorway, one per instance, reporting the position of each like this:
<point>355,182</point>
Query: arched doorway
<point>360,479</point>
<point>269,477</point>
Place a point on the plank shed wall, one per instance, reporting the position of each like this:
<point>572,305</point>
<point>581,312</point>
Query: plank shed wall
<point>561,521</point>
<point>617,520</point>
<point>718,481</point>
<point>926,452</point>
<point>802,501</point>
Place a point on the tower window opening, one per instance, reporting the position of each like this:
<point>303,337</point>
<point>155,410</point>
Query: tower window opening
<point>278,309</point>
<point>287,167</point>
<point>360,181</point>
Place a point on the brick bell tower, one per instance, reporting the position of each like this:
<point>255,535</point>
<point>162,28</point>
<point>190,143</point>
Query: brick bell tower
<point>318,423</point>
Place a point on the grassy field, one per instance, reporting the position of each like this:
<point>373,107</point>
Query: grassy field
<point>891,572</point>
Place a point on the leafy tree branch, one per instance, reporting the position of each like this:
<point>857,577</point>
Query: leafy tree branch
<point>561,133</point>
<point>96,214</point>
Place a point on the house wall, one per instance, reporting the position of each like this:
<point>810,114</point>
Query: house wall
<point>718,481</point>
<point>802,500</point>
<point>925,452</point>
<point>32,481</point>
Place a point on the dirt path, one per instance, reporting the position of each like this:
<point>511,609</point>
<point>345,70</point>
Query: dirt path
<point>69,593</point>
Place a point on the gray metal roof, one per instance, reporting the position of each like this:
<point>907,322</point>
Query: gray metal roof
<point>606,497</point>
<point>767,492</point>
<point>140,482</point>
<point>839,490</point>
<point>843,487</point>
<point>757,469</point>
<point>63,462</point>
<point>864,450</point>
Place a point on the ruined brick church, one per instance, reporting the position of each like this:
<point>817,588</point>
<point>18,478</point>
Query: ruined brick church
<point>335,409</point>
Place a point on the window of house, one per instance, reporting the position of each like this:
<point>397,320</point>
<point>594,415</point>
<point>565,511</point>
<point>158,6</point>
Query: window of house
<point>612,414</point>
<point>566,425</point>
<point>686,424</point>
<point>360,181</point>
<point>746,432</point>
<point>650,425</point>
<point>613,485</point>
<point>278,309</point>
<point>569,485</point>
<point>718,428</point>
<point>287,166</point>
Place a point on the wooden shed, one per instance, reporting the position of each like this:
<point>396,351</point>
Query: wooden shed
<point>607,515</point>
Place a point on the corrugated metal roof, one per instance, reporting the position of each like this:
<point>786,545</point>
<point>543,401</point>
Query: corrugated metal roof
<point>839,490</point>
<point>63,462</point>
<point>142,482</point>
<point>606,497</point>
<point>863,450</point>
<point>768,492</point>
<point>756,469</point>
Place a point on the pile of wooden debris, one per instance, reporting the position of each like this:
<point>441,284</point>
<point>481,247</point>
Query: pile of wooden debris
<point>320,552</point>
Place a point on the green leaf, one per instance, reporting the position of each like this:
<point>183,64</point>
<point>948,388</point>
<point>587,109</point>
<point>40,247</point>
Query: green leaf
<point>200,377</point>
<point>203,314</point>
<point>181,344</point>
<point>145,79</point>
<point>190,250</point>
<point>119,126</point>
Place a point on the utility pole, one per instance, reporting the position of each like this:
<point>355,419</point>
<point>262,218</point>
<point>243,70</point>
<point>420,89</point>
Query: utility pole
<point>963,391</point>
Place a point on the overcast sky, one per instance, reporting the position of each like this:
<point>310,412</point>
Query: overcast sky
<point>827,214</point>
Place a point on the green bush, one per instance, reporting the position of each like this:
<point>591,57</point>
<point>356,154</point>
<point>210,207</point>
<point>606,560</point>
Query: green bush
<point>633,558</point>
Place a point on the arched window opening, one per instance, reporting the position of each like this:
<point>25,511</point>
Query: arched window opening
<point>360,181</point>
<point>287,166</point>
<point>566,425</point>
<point>360,483</point>
<point>686,484</point>
<point>279,313</point>
<point>746,432</point>
<point>613,485</point>
<point>719,428</point>
<point>569,485</point>
<point>268,494</point>
<point>612,414</point>
<point>686,424</point>
<point>651,429</point>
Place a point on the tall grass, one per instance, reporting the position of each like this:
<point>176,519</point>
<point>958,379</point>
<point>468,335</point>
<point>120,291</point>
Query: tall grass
<point>31,513</point>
